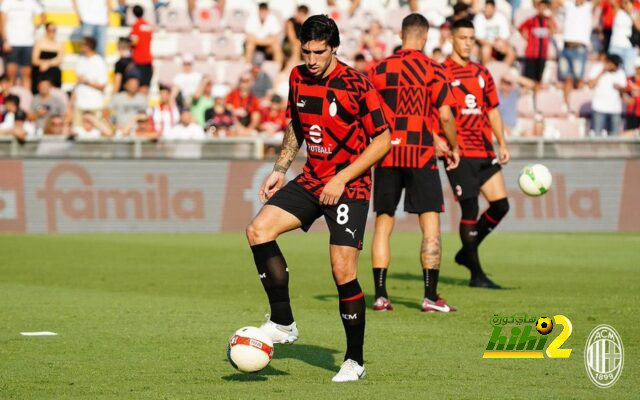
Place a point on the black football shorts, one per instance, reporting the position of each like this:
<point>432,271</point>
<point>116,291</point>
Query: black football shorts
<point>346,220</point>
<point>423,190</point>
<point>471,174</point>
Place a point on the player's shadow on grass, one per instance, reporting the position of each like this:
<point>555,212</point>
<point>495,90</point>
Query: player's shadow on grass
<point>259,376</point>
<point>315,356</point>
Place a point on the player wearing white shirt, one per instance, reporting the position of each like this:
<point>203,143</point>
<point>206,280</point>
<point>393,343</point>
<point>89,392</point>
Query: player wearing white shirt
<point>19,36</point>
<point>492,32</point>
<point>263,34</point>
<point>607,81</point>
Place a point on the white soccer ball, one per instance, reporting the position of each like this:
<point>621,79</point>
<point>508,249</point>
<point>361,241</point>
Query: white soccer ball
<point>249,349</point>
<point>535,180</point>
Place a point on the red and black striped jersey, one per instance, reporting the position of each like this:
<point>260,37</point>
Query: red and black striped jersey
<point>537,31</point>
<point>475,95</point>
<point>338,115</point>
<point>412,88</point>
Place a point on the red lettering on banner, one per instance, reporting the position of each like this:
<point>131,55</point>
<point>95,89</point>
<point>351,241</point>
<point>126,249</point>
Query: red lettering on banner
<point>88,203</point>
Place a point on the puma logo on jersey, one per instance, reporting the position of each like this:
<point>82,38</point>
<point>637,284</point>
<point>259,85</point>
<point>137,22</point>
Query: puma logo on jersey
<point>353,233</point>
<point>349,316</point>
<point>396,141</point>
<point>455,83</point>
<point>301,103</point>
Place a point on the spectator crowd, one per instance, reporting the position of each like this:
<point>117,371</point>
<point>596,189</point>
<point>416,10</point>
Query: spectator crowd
<point>553,60</point>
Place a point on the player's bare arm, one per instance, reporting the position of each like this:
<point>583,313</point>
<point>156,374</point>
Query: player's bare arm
<point>498,131</point>
<point>448,123</point>
<point>378,147</point>
<point>290,146</point>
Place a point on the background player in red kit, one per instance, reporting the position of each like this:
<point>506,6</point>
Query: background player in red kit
<point>477,118</point>
<point>413,89</point>
<point>336,111</point>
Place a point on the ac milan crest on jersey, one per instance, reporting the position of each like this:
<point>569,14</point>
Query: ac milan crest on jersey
<point>338,116</point>
<point>412,88</point>
<point>475,95</point>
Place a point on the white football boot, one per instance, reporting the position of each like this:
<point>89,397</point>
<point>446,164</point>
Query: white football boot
<point>350,371</point>
<point>283,334</point>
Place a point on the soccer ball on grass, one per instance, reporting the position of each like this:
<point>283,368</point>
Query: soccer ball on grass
<point>249,349</point>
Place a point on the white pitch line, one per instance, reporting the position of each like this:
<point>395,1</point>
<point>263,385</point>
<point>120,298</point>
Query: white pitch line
<point>43,333</point>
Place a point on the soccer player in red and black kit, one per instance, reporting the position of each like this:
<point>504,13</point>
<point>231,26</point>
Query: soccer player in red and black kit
<point>414,90</point>
<point>336,111</point>
<point>477,118</point>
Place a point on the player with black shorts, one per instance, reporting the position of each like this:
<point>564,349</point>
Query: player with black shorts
<point>414,90</point>
<point>479,172</point>
<point>336,111</point>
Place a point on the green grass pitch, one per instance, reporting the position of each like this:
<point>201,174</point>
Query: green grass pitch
<point>148,317</point>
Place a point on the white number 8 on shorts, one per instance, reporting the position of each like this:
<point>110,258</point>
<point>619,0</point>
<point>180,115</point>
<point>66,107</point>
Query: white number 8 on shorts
<point>343,214</point>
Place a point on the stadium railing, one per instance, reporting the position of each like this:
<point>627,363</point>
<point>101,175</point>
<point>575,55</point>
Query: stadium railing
<point>258,148</point>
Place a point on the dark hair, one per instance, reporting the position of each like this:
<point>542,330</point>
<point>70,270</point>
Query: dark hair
<point>414,21</point>
<point>460,7</point>
<point>303,9</point>
<point>138,11</point>
<point>320,27</point>
<point>90,42</point>
<point>490,2</point>
<point>44,79</point>
<point>20,116</point>
<point>359,57</point>
<point>263,6</point>
<point>436,49</point>
<point>124,40</point>
<point>462,23</point>
<point>4,77</point>
<point>48,24</point>
<point>162,87</point>
<point>12,98</point>
<point>614,59</point>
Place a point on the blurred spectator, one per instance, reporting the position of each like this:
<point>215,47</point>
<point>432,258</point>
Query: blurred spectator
<point>632,121</point>
<point>44,105</point>
<point>262,84</point>
<point>492,33</point>
<point>541,129</point>
<point>5,85</point>
<point>373,43</point>
<point>92,81</point>
<point>509,91</point>
<point>186,129</point>
<point>360,64</point>
<point>460,11</point>
<point>94,19</point>
<point>141,36</point>
<point>219,118</point>
<point>244,106</point>
<point>19,37</point>
<point>263,34</point>
<point>165,114</point>
<point>437,55</point>
<point>607,81</point>
<point>55,126</point>
<point>126,105</point>
<point>202,101</point>
<point>186,82</point>
<point>48,54</point>
<point>124,66</point>
<point>11,106</point>
<point>576,36</point>
<point>141,127</point>
<point>291,43</point>
<point>92,127</point>
<point>537,30</point>
<point>607,14</point>
<point>274,119</point>
<point>20,129</point>
<point>621,36</point>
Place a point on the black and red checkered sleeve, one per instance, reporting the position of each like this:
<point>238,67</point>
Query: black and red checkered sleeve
<point>440,91</point>
<point>370,111</point>
<point>490,92</point>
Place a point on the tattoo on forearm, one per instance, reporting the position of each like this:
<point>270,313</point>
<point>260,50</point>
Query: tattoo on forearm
<point>430,253</point>
<point>290,147</point>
